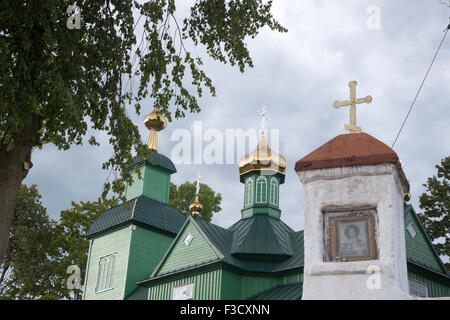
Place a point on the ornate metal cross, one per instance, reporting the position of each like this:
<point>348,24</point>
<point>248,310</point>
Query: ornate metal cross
<point>352,127</point>
<point>198,179</point>
<point>264,114</point>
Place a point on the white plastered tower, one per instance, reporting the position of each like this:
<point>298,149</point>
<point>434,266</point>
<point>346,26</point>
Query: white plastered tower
<point>354,184</point>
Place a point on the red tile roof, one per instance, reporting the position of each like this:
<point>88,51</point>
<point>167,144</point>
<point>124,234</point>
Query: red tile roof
<point>353,149</point>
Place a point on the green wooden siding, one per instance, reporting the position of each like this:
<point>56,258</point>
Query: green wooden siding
<point>182,256</point>
<point>231,286</point>
<point>436,287</point>
<point>135,189</point>
<point>418,248</point>
<point>116,241</point>
<point>206,287</point>
<point>239,287</point>
<point>146,251</point>
<point>262,196</point>
<point>220,285</point>
<point>252,285</point>
<point>271,211</point>
<point>155,183</point>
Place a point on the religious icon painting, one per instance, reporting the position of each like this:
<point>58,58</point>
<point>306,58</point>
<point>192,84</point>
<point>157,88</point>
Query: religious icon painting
<point>350,236</point>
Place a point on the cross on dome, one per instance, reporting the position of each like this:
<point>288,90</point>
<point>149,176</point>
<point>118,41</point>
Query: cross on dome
<point>352,127</point>
<point>198,179</point>
<point>264,114</point>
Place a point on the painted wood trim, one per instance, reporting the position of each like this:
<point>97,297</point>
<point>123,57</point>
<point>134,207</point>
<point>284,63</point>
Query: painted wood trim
<point>87,269</point>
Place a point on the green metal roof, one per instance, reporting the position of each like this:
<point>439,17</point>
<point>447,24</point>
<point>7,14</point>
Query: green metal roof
<point>147,211</point>
<point>158,160</point>
<point>261,236</point>
<point>223,241</point>
<point>140,293</point>
<point>281,292</point>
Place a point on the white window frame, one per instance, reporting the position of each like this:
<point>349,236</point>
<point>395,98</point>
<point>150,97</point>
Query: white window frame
<point>188,239</point>
<point>105,272</point>
<point>418,286</point>
<point>191,284</point>
<point>263,181</point>
<point>249,192</point>
<point>411,230</point>
<point>274,187</point>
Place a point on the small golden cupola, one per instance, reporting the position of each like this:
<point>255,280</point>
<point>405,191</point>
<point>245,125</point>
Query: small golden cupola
<point>154,122</point>
<point>196,207</point>
<point>262,172</point>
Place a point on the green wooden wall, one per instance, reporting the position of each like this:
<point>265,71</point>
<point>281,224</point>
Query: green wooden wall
<point>435,284</point>
<point>155,183</point>
<point>238,287</point>
<point>147,248</point>
<point>116,241</point>
<point>206,286</point>
<point>265,206</point>
<point>220,284</point>
<point>418,248</point>
<point>182,256</point>
<point>139,251</point>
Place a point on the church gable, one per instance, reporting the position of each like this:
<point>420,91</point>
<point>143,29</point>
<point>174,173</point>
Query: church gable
<point>190,248</point>
<point>419,248</point>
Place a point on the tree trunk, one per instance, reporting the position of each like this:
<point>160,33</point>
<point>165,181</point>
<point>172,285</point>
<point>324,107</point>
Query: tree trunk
<point>14,167</point>
<point>5,269</point>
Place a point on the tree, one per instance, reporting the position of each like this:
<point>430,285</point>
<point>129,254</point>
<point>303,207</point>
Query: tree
<point>27,270</point>
<point>72,245</point>
<point>181,198</point>
<point>56,82</point>
<point>41,250</point>
<point>435,202</point>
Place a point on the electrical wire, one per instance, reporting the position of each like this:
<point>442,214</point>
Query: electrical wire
<point>421,85</point>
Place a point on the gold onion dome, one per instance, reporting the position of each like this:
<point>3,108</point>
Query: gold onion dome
<point>262,158</point>
<point>196,206</point>
<point>154,122</point>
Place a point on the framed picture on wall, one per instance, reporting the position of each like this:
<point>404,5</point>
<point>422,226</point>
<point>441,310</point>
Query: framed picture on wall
<point>350,236</point>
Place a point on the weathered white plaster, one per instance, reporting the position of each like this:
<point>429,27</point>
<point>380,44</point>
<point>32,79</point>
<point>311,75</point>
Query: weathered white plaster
<point>353,188</point>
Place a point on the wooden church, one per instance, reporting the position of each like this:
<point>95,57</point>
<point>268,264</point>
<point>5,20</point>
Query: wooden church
<point>361,239</point>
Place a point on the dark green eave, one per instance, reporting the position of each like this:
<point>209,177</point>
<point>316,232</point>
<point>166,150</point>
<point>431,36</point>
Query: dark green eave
<point>148,212</point>
<point>140,293</point>
<point>156,159</point>
<point>281,292</point>
<point>266,172</point>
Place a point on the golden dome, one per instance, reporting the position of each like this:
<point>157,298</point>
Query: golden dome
<point>196,206</point>
<point>262,158</point>
<point>154,122</point>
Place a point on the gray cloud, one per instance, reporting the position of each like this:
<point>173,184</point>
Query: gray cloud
<point>297,76</point>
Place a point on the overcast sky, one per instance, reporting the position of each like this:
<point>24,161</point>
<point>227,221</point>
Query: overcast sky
<point>297,76</point>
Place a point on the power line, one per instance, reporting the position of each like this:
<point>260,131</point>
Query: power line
<point>421,85</point>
